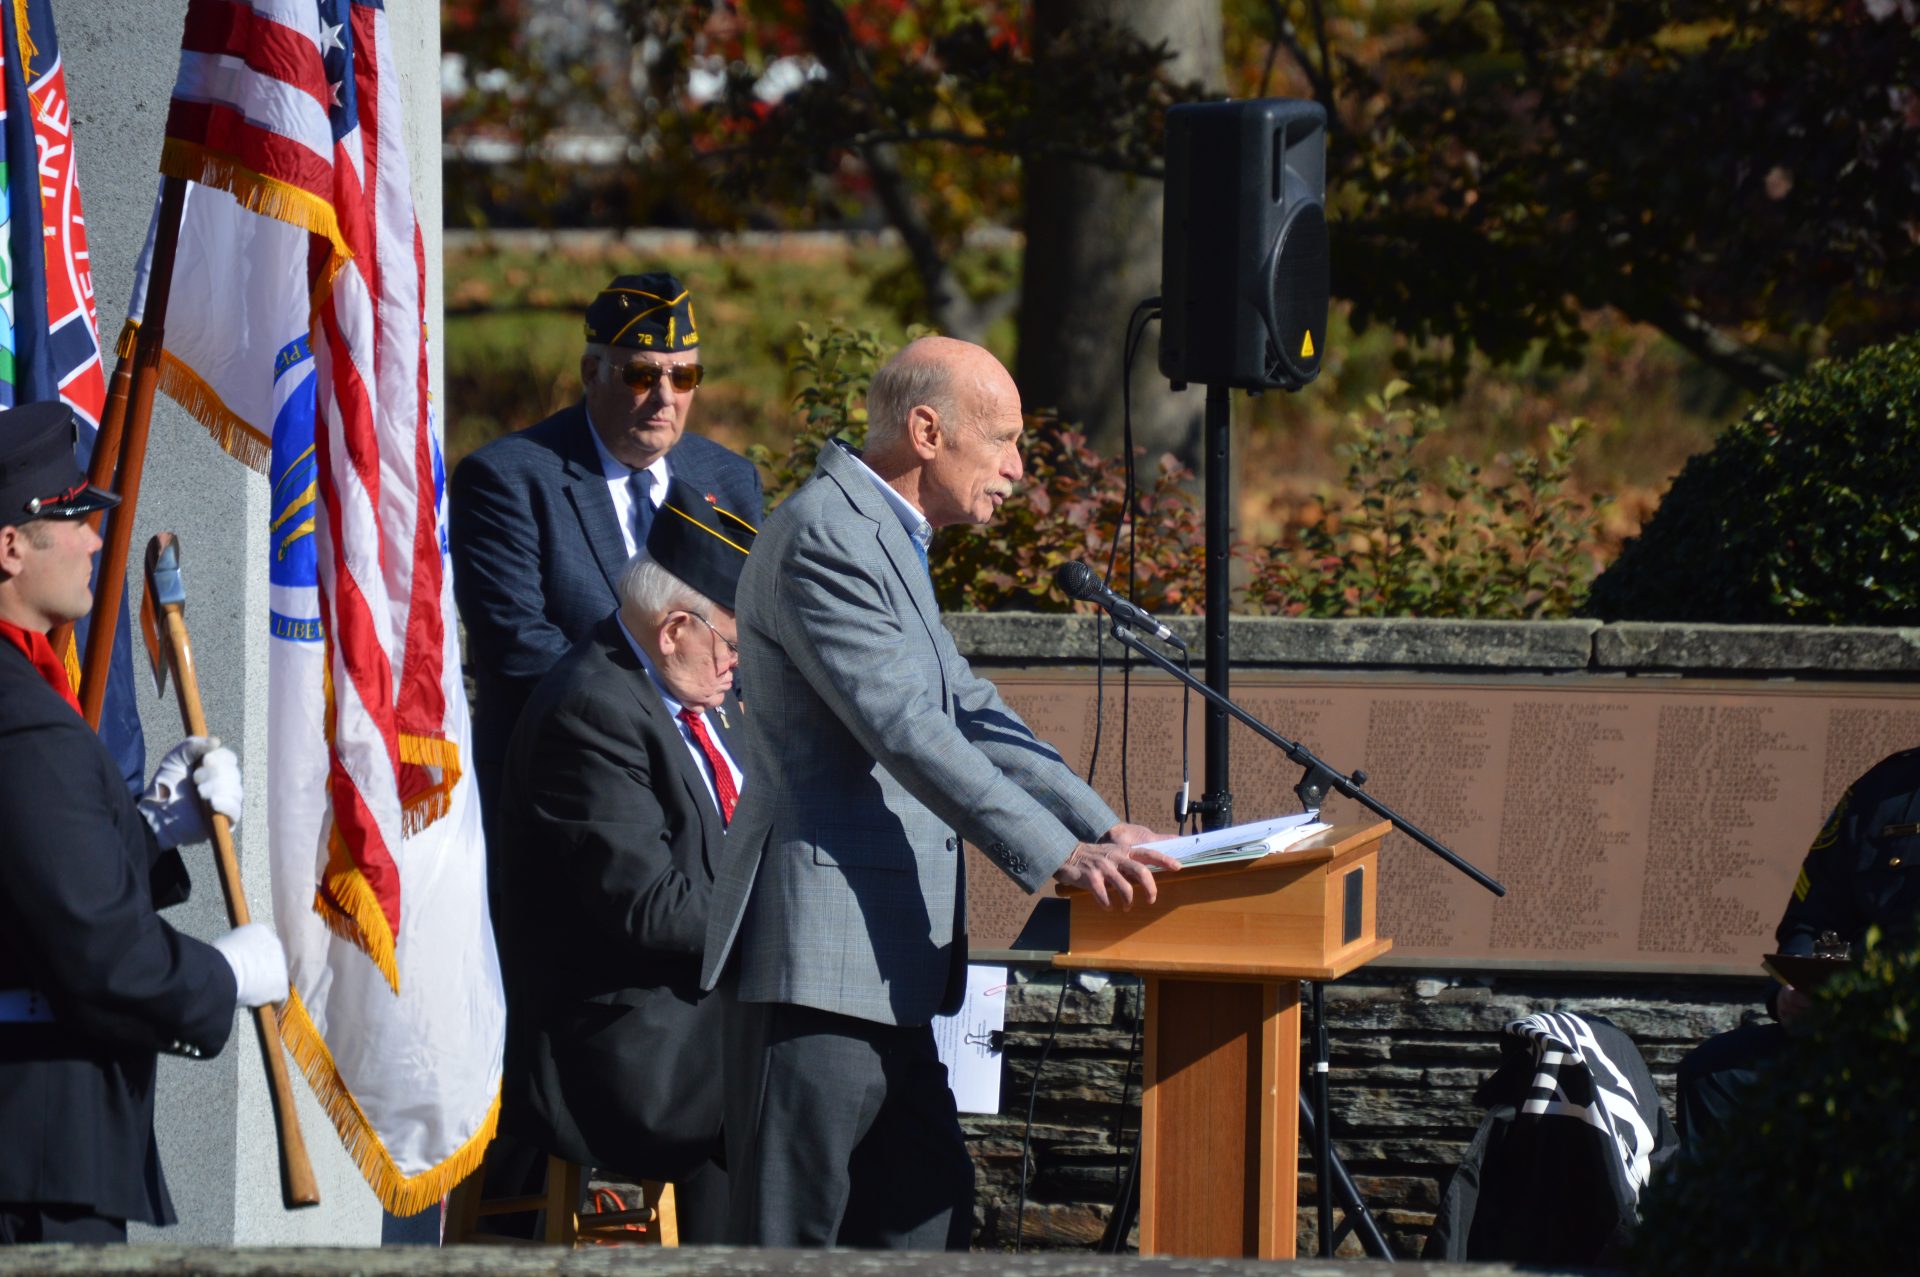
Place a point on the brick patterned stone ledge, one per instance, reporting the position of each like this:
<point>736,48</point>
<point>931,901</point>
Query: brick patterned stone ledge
<point>711,1261</point>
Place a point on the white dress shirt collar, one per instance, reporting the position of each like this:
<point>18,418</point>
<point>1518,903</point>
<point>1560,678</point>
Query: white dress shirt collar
<point>910,518</point>
<point>617,473</point>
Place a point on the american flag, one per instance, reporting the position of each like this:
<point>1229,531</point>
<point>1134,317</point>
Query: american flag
<point>296,330</point>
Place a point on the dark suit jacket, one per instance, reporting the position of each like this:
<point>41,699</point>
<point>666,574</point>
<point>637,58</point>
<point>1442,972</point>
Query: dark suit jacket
<point>80,879</point>
<point>536,553</point>
<point>609,841</point>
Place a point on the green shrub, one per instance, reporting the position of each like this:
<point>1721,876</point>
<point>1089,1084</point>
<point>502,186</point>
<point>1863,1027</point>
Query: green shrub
<point>1409,537</point>
<point>1807,510</point>
<point>1821,1176</point>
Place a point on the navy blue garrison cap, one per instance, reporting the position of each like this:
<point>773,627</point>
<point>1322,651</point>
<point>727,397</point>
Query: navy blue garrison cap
<point>644,312</point>
<point>697,541</point>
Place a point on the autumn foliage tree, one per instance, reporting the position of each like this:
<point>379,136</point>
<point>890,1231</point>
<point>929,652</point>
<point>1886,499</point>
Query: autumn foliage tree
<point>1743,175</point>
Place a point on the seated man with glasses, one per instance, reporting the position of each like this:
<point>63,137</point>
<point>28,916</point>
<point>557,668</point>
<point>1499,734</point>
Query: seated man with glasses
<point>619,784</point>
<point>543,521</point>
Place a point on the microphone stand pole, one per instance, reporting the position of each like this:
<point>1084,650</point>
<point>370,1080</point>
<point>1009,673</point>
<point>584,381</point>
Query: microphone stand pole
<point>1216,803</point>
<point>1316,781</point>
<point>1318,778</point>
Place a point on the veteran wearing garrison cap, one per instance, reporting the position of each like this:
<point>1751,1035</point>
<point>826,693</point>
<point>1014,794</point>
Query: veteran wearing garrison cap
<point>93,983</point>
<point>543,521</point>
<point>620,782</point>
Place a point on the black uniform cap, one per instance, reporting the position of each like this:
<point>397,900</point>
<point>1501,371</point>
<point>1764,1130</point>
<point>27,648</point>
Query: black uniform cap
<point>644,312</point>
<point>39,475</point>
<point>697,541</point>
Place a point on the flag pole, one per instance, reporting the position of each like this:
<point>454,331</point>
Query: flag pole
<point>149,344</point>
<point>167,592</point>
<point>100,465</point>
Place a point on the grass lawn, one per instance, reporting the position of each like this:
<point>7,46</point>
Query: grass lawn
<point>513,339</point>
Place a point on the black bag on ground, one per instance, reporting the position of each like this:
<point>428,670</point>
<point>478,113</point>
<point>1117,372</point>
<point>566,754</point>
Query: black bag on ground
<point>1574,1129</point>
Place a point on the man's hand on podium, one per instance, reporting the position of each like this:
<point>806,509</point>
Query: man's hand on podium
<point>1109,869</point>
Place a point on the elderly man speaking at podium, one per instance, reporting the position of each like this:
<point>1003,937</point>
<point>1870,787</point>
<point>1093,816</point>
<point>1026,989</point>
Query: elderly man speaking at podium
<point>838,917</point>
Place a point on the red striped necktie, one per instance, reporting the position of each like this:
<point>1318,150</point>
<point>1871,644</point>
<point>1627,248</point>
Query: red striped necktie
<point>722,774</point>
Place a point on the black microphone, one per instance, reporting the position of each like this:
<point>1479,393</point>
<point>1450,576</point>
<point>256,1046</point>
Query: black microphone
<point>1078,581</point>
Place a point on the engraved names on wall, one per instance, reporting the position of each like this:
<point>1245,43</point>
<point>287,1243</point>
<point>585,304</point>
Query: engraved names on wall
<point>1654,823</point>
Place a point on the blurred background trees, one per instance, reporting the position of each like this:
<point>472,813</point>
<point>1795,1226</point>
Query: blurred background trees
<point>1638,215</point>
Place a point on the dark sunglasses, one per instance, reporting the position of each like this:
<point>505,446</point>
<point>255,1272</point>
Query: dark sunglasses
<point>646,376</point>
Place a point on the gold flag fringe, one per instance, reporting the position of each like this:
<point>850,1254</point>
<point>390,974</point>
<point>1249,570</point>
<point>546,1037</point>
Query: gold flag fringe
<point>434,799</point>
<point>424,808</point>
<point>187,388</point>
<point>425,749</point>
<point>399,1193</point>
<point>256,193</point>
<point>236,438</point>
<point>346,903</point>
<point>27,50</point>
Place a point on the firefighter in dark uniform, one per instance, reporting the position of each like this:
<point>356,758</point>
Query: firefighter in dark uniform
<point>1862,871</point>
<point>93,985</point>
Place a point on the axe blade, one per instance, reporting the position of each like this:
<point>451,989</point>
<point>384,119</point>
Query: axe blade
<point>164,589</point>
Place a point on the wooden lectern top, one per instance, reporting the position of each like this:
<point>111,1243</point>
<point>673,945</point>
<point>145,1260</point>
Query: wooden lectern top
<point>1306,913</point>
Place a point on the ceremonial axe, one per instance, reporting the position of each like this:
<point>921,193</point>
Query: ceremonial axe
<point>169,649</point>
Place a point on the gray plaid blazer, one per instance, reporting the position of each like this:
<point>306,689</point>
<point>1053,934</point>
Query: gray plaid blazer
<point>869,742</point>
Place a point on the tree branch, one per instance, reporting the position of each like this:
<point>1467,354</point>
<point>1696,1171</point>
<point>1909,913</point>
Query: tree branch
<point>952,311</point>
<point>1714,347</point>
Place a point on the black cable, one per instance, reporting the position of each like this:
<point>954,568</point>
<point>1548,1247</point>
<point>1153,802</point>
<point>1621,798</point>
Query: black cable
<point>1115,1236</point>
<point>1186,746</point>
<point>1129,517</point>
<point>1144,312</point>
<point>1026,1136</point>
<point>1099,692</point>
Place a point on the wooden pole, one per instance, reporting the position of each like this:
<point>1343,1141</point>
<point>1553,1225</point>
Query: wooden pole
<point>101,465</point>
<point>297,1184</point>
<point>111,582</point>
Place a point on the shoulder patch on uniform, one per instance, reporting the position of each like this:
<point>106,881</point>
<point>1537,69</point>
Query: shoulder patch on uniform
<point>1831,830</point>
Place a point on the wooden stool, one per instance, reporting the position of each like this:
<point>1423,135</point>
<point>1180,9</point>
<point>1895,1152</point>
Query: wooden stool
<point>652,1223</point>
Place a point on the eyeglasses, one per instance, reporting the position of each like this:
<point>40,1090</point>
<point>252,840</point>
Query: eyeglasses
<point>732,646</point>
<point>644,377</point>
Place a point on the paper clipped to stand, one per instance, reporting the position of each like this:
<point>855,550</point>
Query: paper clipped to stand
<point>1242,842</point>
<point>968,1043</point>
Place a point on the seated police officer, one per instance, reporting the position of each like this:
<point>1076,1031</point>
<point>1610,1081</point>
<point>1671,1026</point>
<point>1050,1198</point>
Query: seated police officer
<point>1862,871</point>
<point>93,985</point>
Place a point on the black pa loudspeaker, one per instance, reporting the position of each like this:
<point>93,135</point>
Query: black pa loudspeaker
<point>1244,255</point>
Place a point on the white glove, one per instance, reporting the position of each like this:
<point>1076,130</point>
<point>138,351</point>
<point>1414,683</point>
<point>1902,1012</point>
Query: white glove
<point>172,803</point>
<point>259,963</point>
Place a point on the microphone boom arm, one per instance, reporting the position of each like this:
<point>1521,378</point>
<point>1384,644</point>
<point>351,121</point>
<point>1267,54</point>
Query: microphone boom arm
<point>1317,778</point>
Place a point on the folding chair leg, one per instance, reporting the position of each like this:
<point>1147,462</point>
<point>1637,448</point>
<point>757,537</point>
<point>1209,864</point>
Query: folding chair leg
<point>563,1202</point>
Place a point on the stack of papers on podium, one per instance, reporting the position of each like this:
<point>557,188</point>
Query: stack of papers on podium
<point>1242,842</point>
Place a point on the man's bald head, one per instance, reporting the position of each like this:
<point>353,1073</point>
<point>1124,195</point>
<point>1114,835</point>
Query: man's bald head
<point>943,427</point>
<point>939,373</point>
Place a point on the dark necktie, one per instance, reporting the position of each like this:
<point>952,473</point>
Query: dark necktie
<point>722,774</point>
<point>640,484</point>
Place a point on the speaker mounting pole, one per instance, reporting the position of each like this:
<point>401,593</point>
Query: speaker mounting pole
<point>1217,803</point>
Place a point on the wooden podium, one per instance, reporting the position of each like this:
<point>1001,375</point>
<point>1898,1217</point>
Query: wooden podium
<point>1223,951</point>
